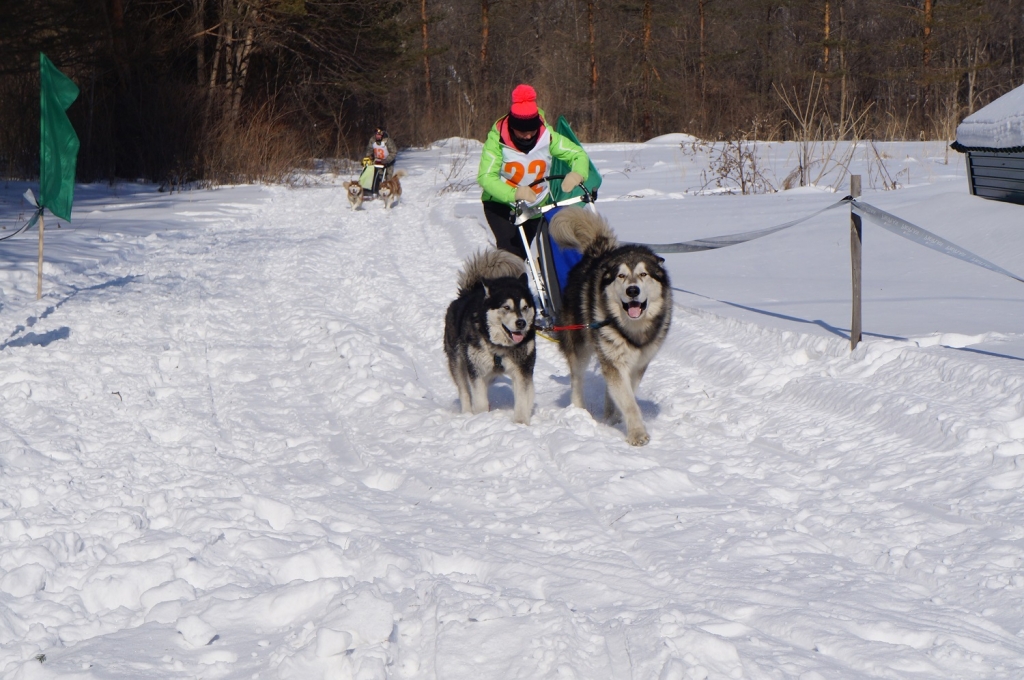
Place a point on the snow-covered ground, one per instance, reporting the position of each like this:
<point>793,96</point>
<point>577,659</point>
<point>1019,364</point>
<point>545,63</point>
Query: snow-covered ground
<point>230,448</point>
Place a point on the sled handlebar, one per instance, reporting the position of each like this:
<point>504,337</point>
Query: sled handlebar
<point>523,212</point>
<point>541,180</point>
<point>588,196</point>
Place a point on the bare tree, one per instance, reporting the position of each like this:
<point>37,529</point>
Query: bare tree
<point>592,44</point>
<point>702,72</point>
<point>426,60</point>
<point>485,29</point>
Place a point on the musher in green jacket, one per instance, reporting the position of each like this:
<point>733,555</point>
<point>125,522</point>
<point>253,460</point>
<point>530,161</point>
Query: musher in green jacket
<point>518,151</point>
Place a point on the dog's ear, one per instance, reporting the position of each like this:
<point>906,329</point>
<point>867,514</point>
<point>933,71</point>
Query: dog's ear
<point>660,274</point>
<point>487,291</point>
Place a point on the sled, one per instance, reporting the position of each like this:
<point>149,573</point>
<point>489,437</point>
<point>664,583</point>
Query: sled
<point>370,178</point>
<point>549,266</point>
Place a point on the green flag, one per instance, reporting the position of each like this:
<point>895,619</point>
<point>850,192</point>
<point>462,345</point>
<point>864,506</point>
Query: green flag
<point>58,143</point>
<point>559,167</point>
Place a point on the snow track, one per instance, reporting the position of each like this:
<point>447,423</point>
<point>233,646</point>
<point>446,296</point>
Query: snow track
<point>232,449</point>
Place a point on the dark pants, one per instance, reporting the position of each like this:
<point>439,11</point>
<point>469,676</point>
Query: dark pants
<point>506,234</point>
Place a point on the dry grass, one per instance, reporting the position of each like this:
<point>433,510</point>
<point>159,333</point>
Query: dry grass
<point>263,149</point>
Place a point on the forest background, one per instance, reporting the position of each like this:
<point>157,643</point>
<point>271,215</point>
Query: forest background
<point>215,91</point>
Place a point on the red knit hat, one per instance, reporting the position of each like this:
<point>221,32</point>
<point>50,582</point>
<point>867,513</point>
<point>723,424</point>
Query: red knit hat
<point>523,114</point>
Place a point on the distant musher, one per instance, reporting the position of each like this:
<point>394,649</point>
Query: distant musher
<point>381,151</point>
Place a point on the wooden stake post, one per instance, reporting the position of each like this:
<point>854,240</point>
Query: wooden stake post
<point>855,261</point>
<point>39,274</point>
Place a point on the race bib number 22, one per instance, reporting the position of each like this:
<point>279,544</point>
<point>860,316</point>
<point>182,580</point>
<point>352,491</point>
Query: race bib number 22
<point>514,172</point>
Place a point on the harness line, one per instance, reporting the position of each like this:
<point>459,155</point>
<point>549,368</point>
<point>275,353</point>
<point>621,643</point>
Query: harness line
<point>580,326</point>
<point>25,227</point>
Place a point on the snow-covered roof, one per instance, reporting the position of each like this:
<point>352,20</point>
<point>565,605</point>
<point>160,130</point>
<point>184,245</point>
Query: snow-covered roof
<point>998,126</point>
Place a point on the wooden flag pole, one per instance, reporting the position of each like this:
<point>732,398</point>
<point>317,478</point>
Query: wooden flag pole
<point>39,275</point>
<point>855,260</point>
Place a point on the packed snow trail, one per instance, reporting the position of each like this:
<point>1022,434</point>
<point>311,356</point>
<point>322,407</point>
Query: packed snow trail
<point>232,449</point>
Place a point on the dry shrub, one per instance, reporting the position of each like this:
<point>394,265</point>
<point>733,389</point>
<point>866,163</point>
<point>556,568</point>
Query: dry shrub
<point>261,148</point>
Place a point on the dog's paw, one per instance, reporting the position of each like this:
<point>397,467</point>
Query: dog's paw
<point>522,420</point>
<point>638,438</point>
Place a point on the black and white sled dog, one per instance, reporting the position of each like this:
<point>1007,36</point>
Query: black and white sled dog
<point>621,298</point>
<point>488,331</point>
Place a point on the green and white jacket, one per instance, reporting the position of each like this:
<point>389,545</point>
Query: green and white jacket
<point>503,167</point>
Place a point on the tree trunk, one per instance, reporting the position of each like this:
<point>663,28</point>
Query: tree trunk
<point>229,57</point>
<point>929,17</point>
<point>211,92</point>
<point>199,26</point>
<point>973,57</point>
<point>117,40</point>
<point>926,57</point>
<point>826,49</point>
<point>825,36</point>
<point>593,68</point>
<point>647,70</point>
<point>426,60</point>
<point>117,17</point>
<point>842,51</point>
<point>485,29</point>
<point>702,63</point>
<point>242,70</point>
<point>215,68</point>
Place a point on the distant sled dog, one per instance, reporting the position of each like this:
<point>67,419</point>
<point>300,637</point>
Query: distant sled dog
<point>355,194</point>
<point>621,296</point>
<point>488,331</point>
<point>391,189</point>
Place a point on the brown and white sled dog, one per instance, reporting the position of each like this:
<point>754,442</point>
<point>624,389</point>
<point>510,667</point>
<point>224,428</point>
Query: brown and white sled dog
<point>621,296</point>
<point>488,331</point>
<point>391,189</point>
<point>355,194</point>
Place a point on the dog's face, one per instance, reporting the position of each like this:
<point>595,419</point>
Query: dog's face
<point>355,192</point>
<point>633,286</point>
<point>510,316</point>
